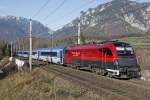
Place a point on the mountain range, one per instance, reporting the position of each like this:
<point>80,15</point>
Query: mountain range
<point>112,19</point>
<point>12,28</point>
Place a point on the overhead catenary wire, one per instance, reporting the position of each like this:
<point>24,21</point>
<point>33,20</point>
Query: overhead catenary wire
<point>127,12</point>
<point>72,11</point>
<point>40,9</point>
<point>132,10</point>
<point>55,10</point>
<point>108,18</point>
<point>75,10</point>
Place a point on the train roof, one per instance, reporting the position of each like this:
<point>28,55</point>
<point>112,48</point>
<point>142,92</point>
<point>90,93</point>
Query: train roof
<point>23,51</point>
<point>50,48</point>
<point>98,45</point>
<point>57,47</point>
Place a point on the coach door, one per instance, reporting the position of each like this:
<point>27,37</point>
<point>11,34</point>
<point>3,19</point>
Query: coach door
<point>61,56</point>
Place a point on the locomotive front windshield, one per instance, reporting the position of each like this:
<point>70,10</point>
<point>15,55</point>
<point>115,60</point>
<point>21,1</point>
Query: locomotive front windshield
<point>124,49</point>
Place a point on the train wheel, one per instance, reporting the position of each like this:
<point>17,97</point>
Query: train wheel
<point>77,67</point>
<point>110,74</point>
<point>92,69</point>
<point>103,72</point>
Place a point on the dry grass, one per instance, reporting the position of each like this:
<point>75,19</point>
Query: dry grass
<point>41,85</point>
<point>143,55</point>
<point>4,61</point>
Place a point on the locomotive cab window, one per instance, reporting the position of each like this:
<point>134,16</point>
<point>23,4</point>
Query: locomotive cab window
<point>124,49</point>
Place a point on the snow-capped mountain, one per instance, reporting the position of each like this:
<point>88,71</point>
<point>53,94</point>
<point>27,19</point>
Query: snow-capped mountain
<point>115,18</point>
<point>12,27</point>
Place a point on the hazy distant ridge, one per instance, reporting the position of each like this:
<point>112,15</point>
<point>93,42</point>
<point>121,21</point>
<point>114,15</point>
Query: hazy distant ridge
<point>12,27</point>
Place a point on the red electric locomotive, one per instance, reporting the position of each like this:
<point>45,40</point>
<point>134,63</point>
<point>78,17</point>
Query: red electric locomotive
<point>112,58</point>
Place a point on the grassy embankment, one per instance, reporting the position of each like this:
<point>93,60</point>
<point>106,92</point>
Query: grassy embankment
<point>41,85</point>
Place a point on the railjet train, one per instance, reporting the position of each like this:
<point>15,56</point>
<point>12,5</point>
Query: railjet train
<point>112,58</point>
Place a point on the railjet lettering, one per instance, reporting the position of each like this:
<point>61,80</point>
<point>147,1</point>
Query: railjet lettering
<point>75,53</point>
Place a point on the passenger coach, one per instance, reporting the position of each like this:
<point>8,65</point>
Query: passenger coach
<point>53,55</point>
<point>22,53</point>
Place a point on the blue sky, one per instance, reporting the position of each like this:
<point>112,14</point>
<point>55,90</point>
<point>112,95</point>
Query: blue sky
<point>27,8</point>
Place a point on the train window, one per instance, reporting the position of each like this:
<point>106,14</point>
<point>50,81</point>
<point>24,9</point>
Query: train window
<point>125,52</point>
<point>124,49</point>
<point>33,53</point>
<point>19,52</point>
<point>106,51</point>
<point>121,44</point>
<point>44,53</point>
<point>53,54</point>
<point>25,52</point>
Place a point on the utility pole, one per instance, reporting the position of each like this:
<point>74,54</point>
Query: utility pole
<point>51,34</point>
<point>30,40</point>
<point>7,46</point>
<point>16,48</point>
<point>18,45</point>
<point>79,31</point>
<point>11,49</point>
<point>23,46</point>
<point>52,39</point>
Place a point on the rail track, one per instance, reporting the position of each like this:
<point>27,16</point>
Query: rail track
<point>141,83</point>
<point>118,88</point>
